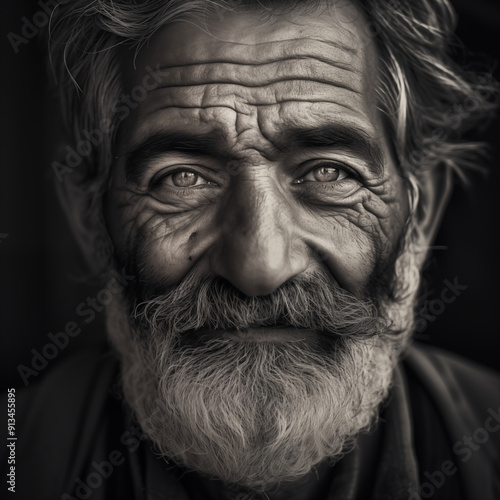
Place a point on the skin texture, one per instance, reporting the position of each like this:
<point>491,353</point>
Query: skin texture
<point>258,209</point>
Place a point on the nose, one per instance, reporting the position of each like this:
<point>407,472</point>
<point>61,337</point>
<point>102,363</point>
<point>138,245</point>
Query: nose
<point>258,249</point>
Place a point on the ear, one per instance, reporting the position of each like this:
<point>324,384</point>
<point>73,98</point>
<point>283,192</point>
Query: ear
<point>435,187</point>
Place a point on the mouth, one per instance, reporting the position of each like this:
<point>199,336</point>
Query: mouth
<point>321,340</point>
<point>264,334</point>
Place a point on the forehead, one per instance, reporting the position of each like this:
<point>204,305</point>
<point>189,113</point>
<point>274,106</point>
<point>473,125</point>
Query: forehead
<point>245,76</point>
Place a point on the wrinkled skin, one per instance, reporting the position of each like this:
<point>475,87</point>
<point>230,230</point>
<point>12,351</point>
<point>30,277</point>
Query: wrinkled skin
<point>261,207</point>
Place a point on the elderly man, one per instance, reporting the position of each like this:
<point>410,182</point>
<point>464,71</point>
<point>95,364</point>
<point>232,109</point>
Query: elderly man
<point>268,177</point>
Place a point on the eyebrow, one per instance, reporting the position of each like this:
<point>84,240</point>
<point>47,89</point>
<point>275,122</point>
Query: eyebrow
<point>348,137</point>
<point>159,144</point>
<point>344,136</point>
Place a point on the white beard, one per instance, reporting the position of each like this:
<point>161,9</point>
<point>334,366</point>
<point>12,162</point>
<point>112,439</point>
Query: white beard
<point>260,413</point>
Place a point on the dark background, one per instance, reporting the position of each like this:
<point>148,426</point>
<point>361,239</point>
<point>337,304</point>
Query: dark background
<point>40,263</point>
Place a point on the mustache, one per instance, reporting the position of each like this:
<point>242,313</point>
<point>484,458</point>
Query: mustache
<point>207,302</point>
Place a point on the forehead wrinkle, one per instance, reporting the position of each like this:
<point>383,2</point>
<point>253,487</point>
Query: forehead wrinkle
<point>300,40</point>
<point>260,105</point>
<point>235,95</point>
<point>306,64</point>
<point>178,106</point>
<point>297,57</point>
<point>308,70</point>
<point>271,82</point>
<point>254,53</point>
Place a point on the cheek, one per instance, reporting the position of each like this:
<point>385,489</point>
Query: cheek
<point>162,254</point>
<point>351,241</point>
<point>148,237</point>
<point>343,242</point>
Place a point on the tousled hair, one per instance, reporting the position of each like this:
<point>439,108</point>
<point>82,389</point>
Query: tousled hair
<point>428,101</point>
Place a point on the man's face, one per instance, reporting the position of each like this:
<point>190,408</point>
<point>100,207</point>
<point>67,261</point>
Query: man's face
<point>260,155</point>
<point>256,198</point>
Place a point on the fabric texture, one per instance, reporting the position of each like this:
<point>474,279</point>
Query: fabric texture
<point>438,437</point>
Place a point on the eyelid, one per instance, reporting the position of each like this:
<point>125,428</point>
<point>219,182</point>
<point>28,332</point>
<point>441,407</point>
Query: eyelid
<point>331,163</point>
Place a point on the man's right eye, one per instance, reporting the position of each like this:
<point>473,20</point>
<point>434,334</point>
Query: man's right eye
<point>179,178</point>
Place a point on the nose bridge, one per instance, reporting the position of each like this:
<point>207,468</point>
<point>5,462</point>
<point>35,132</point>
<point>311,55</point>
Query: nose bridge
<point>255,248</point>
<point>254,204</point>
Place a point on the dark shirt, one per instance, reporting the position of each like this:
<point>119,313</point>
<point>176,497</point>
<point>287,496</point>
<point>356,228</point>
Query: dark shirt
<point>438,436</point>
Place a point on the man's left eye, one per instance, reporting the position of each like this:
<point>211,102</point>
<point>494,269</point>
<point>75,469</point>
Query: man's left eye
<point>324,173</point>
